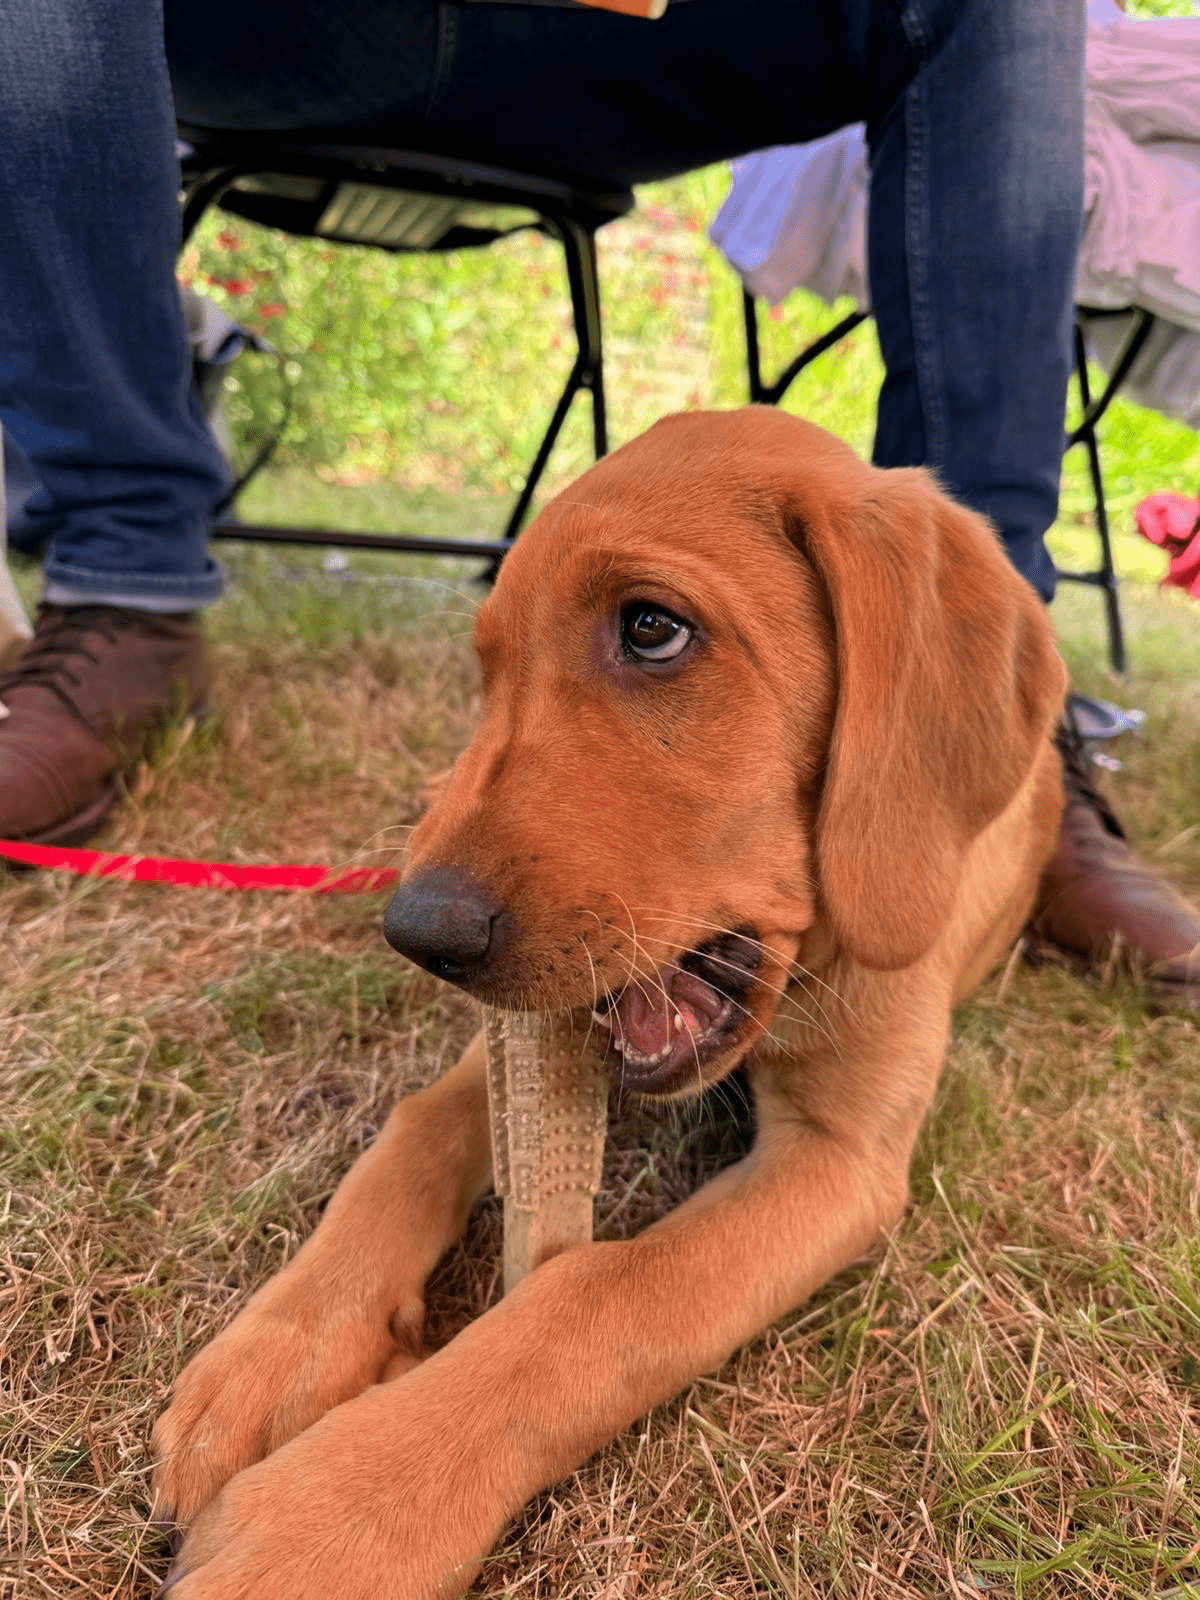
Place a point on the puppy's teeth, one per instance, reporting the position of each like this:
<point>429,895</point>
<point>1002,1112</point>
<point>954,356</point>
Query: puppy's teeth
<point>602,1019</point>
<point>677,1022</point>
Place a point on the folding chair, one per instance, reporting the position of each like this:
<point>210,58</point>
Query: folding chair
<point>406,201</point>
<point>1102,577</point>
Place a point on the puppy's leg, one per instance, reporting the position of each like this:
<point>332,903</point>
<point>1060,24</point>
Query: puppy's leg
<point>418,1477</point>
<point>348,1308</point>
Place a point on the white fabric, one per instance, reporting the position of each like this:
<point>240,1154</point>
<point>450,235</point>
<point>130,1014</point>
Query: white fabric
<point>1165,375</point>
<point>14,624</point>
<point>1141,244</point>
<point>795,216</point>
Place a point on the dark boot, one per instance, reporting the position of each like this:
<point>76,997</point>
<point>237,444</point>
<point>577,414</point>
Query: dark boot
<point>1096,895</point>
<point>78,706</point>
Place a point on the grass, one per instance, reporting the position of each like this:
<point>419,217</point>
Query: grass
<point>1005,1401</point>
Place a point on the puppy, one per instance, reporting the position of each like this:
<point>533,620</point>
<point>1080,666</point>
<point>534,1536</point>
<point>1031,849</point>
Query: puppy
<point>764,774</point>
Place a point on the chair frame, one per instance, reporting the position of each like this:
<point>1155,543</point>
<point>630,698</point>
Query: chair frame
<point>1102,577</point>
<point>215,161</point>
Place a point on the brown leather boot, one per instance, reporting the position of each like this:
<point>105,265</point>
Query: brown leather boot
<point>78,706</point>
<point>1096,898</point>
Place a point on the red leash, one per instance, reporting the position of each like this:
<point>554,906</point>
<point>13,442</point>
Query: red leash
<point>197,874</point>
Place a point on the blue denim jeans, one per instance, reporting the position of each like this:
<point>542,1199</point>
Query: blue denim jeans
<point>974,111</point>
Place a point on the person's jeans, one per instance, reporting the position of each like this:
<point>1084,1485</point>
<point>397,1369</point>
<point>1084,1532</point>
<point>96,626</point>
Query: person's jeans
<point>974,113</point>
<point>94,372</point>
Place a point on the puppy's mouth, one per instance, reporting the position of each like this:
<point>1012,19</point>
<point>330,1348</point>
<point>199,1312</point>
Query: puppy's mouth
<point>664,1029</point>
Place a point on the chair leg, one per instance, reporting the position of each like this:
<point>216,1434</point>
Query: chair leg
<point>1140,328</point>
<point>599,404</point>
<point>1105,577</point>
<point>758,393</point>
<point>771,394</point>
<point>579,248</point>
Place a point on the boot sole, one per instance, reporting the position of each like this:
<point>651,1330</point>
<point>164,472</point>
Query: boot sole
<point>72,831</point>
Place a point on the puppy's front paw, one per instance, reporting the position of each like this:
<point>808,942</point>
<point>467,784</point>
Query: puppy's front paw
<point>378,1499</point>
<point>280,1365</point>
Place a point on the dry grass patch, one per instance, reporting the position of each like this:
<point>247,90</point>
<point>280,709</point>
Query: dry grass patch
<point>1004,1402</point>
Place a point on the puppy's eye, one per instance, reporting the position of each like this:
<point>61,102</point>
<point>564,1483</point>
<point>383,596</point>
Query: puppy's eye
<point>651,634</point>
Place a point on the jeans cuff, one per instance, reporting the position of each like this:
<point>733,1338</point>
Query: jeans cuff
<point>67,585</point>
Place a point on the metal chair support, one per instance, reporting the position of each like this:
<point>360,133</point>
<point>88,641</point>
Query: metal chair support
<point>1104,576</point>
<point>235,171</point>
<point>770,394</point>
<point>587,372</point>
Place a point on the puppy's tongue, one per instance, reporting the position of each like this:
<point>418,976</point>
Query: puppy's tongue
<point>651,1012</point>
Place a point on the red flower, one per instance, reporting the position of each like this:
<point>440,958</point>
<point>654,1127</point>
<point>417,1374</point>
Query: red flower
<point>272,309</point>
<point>235,286</point>
<point>228,241</point>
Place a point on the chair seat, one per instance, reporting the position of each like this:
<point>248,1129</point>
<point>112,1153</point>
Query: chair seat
<point>368,214</point>
<point>393,199</point>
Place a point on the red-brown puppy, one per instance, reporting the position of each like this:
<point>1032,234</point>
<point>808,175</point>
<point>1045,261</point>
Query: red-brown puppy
<point>764,773</point>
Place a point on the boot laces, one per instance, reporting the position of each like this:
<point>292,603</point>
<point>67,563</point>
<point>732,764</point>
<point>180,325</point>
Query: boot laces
<point>59,643</point>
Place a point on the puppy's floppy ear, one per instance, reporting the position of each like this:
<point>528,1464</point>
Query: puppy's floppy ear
<point>948,686</point>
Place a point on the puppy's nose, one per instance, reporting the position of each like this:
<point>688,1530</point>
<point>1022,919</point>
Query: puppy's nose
<point>446,922</point>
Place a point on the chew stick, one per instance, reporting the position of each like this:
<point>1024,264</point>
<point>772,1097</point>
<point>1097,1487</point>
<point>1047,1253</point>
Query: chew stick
<point>548,1102</point>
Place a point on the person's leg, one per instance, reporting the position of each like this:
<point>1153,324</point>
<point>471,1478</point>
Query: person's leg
<point>95,389</point>
<point>276,65</point>
<point>975,217</point>
<point>94,369</point>
<point>976,177</point>
<point>976,207</point>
